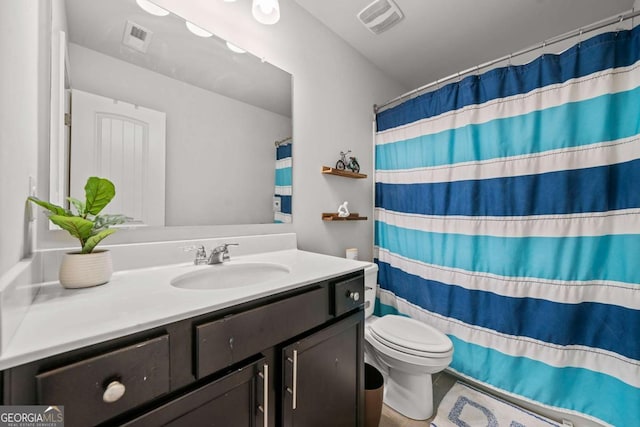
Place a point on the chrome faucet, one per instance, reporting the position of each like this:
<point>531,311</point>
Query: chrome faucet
<point>220,253</point>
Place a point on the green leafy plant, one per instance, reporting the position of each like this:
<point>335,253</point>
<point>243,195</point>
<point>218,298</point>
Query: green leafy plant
<point>86,225</point>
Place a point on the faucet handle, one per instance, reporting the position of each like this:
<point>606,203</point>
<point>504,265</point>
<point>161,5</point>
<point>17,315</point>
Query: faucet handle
<point>225,252</point>
<point>221,253</point>
<point>224,247</point>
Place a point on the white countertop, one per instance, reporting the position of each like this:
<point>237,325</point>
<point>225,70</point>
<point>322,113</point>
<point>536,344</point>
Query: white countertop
<point>61,320</point>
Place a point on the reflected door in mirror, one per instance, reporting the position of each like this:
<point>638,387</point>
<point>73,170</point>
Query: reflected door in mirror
<point>124,143</point>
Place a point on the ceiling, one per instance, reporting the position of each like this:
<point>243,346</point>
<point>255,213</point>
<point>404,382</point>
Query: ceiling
<point>439,38</point>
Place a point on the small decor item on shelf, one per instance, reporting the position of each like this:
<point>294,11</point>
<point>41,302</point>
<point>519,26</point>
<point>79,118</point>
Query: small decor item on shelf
<point>351,164</point>
<point>343,212</point>
<point>87,267</point>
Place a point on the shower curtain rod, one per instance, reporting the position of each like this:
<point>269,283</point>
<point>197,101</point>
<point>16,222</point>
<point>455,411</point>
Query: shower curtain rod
<point>566,36</point>
<point>282,141</point>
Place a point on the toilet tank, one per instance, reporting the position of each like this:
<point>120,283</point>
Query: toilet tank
<point>370,285</point>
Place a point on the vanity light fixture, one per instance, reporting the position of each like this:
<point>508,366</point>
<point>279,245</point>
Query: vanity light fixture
<point>200,32</point>
<point>232,47</point>
<point>266,11</point>
<point>151,8</point>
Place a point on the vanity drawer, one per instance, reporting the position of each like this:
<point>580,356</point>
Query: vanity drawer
<point>347,295</point>
<point>234,338</point>
<point>142,369</point>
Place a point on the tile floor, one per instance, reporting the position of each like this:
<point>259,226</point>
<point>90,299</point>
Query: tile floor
<point>442,383</point>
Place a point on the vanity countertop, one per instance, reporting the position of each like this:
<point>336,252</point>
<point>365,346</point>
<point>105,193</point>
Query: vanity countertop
<point>61,320</point>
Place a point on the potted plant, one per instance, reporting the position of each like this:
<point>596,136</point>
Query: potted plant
<point>87,267</point>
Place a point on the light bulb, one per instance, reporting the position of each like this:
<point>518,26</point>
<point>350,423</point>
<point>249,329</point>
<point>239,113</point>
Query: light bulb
<point>151,8</point>
<point>200,32</point>
<point>266,8</point>
<point>266,11</point>
<point>232,47</point>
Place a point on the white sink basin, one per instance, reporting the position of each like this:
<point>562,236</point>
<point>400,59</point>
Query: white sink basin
<point>230,275</point>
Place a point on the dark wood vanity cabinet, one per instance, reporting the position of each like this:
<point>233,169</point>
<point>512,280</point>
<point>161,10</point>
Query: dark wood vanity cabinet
<point>292,359</point>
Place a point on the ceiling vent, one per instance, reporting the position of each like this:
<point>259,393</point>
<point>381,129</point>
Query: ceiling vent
<point>136,37</point>
<point>380,15</point>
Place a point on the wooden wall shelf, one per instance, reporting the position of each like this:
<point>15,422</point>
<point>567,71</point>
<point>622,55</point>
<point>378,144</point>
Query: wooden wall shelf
<point>332,216</point>
<point>346,173</point>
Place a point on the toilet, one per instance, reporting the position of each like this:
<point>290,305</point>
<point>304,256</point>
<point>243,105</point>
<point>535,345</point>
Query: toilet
<point>407,352</point>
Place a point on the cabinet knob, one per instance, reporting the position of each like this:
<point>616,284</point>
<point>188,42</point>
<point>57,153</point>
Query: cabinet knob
<point>114,391</point>
<point>353,295</point>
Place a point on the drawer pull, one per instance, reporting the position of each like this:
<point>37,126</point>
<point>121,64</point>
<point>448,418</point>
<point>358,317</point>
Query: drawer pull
<point>114,391</point>
<point>353,295</point>
<point>264,408</point>
<point>295,380</point>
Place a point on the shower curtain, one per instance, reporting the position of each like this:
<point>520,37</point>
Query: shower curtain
<point>508,216</point>
<point>283,181</point>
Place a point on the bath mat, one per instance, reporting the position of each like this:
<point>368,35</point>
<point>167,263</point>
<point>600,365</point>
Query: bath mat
<point>464,406</point>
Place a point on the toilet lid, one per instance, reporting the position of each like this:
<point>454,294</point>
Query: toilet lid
<point>406,333</point>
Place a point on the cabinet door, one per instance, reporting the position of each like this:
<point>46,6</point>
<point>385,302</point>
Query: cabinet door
<point>237,399</point>
<point>323,378</point>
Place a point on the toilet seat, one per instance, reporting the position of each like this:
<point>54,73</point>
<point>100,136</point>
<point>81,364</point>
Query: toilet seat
<point>406,350</point>
<point>411,336</point>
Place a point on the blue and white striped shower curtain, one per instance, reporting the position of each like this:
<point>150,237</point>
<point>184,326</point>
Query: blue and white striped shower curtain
<point>283,181</point>
<point>508,216</point>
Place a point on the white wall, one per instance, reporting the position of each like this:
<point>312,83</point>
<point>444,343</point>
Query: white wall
<point>220,153</point>
<point>24,89</point>
<point>334,91</point>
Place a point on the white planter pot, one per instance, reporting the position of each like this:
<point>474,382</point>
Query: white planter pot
<point>85,270</point>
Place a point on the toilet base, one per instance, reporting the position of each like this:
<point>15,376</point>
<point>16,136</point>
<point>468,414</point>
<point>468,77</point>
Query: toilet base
<point>410,395</point>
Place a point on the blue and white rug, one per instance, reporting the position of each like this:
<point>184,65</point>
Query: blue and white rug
<point>464,406</point>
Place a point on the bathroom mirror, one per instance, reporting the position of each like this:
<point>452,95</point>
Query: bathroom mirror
<point>185,124</point>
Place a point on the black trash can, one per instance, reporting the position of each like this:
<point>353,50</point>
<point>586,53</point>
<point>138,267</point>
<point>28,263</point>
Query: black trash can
<point>373,392</point>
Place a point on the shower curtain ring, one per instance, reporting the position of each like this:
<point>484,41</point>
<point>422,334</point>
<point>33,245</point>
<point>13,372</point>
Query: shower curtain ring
<point>580,37</point>
<point>619,26</point>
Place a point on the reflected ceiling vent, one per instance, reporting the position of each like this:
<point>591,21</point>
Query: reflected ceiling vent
<point>380,15</point>
<point>136,37</point>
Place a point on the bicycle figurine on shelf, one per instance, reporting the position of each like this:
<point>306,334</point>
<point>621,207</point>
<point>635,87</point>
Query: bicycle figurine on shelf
<point>352,164</point>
